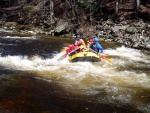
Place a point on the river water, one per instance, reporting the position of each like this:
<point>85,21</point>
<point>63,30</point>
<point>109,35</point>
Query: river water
<point>33,81</point>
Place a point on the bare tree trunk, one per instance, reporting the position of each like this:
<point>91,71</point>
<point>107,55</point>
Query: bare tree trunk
<point>71,1</point>
<point>74,10</point>
<point>117,6</point>
<point>137,5</point>
<point>75,7</point>
<point>51,11</point>
<point>90,15</point>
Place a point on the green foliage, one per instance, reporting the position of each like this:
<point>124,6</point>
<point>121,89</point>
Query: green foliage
<point>29,8</point>
<point>88,4</point>
<point>81,3</point>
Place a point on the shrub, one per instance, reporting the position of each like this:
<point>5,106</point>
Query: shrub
<point>29,8</point>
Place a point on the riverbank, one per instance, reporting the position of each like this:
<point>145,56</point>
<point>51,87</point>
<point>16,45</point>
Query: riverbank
<point>130,33</point>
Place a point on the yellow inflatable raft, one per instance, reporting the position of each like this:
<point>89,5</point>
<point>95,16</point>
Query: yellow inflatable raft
<point>84,56</point>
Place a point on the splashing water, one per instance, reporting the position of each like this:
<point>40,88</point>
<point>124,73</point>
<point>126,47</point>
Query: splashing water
<point>122,81</point>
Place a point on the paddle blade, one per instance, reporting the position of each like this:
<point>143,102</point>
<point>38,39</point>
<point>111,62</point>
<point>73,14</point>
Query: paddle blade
<point>62,57</point>
<point>105,58</point>
<point>110,61</point>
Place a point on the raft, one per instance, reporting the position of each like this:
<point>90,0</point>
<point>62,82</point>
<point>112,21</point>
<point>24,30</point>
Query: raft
<point>84,56</point>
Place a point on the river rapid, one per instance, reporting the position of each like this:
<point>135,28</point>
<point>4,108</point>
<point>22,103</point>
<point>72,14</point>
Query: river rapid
<point>32,80</point>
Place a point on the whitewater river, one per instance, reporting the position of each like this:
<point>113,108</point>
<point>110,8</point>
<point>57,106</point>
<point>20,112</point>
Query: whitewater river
<point>33,81</point>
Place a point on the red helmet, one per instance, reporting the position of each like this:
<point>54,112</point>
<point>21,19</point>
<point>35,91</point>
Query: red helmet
<point>91,40</point>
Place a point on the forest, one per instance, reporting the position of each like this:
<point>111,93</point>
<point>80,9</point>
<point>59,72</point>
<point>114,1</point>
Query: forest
<point>71,16</point>
<point>76,12</point>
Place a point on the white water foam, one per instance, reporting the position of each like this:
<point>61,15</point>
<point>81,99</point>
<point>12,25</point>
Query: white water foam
<point>104,67</point>
<point>129,54</point>
<point>116,80</point>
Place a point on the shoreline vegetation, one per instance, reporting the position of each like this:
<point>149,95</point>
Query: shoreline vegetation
<point>118,21</point>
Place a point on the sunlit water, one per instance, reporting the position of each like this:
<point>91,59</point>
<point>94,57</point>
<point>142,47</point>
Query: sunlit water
<point>123,83</point>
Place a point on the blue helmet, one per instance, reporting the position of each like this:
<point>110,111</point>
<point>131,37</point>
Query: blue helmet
<point>95,39</point>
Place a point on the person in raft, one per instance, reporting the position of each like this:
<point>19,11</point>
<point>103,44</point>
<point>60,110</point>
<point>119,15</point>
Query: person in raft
<point>96,47</point>
<point>78,45</point>
<point>89,42</point>
<point>79,41</point>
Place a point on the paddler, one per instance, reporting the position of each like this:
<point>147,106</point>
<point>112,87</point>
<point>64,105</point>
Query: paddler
<point>79,41</point>
<point>78,45</point>
<point>95,46</point>
<point>89,42</point>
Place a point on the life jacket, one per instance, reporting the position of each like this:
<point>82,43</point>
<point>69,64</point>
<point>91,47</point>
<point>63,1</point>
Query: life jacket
<point>78,46</point>
<point>69,48</point>
<point>89,42</point>
<point>79,43</point>
<point>93,46</point>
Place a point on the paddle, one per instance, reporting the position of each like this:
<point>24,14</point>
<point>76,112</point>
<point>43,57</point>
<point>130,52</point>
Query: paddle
<point>103,56</point>
<point>65,55</point>
<point>62,57</point>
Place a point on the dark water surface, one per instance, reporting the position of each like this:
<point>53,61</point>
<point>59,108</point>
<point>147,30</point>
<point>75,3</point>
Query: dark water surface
<point>33,81</point>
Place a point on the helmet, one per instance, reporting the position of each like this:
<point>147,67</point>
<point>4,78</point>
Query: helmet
<point>91,40</point>
<point>78,36</point>
<point>95,39</point>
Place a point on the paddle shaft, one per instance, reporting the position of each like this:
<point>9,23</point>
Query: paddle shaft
<point>64,56</point>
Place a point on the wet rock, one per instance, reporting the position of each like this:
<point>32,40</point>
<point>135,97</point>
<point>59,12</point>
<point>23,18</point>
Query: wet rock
<point>131,30</point>
<point>1,23</point>
<point>109,22</point>
<point>61,26</point>
<point>148,27</point>
<point>108,40</point>
<point>141,46</point>
<point>9,24</point>
<point>31,32</point>
<point>146,39</point>
<point>134,38</point>
<point>115,34</point>
<point>119,40</point>
<point>148,46</point>
<point>135,45</point>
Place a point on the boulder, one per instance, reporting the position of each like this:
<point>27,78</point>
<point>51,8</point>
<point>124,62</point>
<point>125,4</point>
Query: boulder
<point>62,25</point>
<point>131,30</point>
